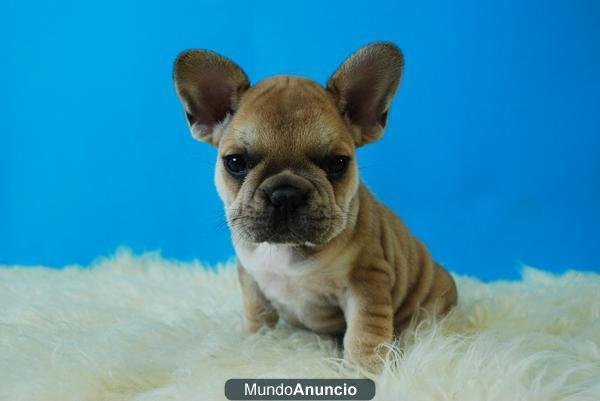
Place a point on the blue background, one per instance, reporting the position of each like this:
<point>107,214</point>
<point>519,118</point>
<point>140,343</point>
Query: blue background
<point>491,154</point>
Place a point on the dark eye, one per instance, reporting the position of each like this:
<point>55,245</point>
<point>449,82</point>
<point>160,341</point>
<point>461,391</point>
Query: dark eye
<point>236,165</point>
<point>337,165</point>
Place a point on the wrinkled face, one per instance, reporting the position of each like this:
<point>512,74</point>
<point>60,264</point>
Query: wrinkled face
<point>286,168</point>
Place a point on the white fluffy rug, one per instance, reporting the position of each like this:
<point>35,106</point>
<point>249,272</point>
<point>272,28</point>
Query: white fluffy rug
<point>146,328</point>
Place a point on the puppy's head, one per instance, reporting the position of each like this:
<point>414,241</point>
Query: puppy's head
<point>286,168</point>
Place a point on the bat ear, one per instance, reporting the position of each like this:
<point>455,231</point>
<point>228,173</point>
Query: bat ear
<point>209,87</point>
<point>364,86</point>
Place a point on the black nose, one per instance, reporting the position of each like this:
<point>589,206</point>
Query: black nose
<point>287,197</point>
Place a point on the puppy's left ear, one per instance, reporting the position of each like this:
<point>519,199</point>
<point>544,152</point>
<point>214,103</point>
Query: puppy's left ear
<point>364,86</point>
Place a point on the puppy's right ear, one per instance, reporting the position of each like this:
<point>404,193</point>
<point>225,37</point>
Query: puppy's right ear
<point>209,87</point>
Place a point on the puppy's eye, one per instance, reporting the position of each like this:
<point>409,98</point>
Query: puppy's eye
<point>236,165</point>
<point>337,165</point>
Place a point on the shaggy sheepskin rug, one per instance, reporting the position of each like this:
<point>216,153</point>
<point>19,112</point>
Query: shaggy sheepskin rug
<point>146,328</point>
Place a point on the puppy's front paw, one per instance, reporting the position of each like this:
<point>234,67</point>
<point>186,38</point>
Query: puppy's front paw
<point>253,325</point>
<point>369,357</point>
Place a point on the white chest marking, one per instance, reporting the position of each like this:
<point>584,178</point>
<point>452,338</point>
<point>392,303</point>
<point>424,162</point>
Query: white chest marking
<point>280,259</point>
<point>279,271</point>
<point>302,290</point>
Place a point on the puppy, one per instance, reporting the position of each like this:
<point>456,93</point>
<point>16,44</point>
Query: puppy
<point>314,246</point>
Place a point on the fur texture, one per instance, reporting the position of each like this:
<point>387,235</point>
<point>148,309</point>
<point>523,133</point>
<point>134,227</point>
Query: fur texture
<point>314,246</point>
<point>145,328</point>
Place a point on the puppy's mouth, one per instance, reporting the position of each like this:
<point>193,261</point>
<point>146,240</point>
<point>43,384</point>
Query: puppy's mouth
<point>298,228</point>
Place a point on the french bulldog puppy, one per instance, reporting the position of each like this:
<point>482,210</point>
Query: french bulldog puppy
<point>314,246</point>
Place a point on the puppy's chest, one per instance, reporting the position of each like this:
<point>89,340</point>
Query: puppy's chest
<point>303,292</point>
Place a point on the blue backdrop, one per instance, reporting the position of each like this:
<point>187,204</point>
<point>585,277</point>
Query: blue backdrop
<point>491,155</point>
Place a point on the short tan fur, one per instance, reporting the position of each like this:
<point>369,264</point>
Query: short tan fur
<point>314,246</point>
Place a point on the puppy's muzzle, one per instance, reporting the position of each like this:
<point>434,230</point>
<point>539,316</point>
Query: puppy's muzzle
<point>286,208</point>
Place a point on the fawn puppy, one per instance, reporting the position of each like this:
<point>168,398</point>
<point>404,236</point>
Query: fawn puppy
<point>314,246</point>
